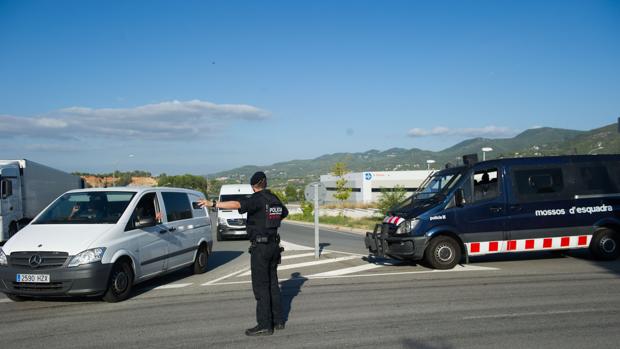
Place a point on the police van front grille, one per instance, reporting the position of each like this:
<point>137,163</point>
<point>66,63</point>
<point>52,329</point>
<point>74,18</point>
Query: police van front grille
<point>48,259</point>
<point>388,229</point>
<point>236,221</point>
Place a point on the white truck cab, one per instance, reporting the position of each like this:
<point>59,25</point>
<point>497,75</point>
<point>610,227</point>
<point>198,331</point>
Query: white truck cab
<point>102,241</point>
<point>231,223</point>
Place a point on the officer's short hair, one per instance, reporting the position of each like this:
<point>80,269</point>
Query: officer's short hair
<point>259,179</point>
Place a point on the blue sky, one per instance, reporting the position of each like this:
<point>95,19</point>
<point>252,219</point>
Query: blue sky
<point>203,86</point>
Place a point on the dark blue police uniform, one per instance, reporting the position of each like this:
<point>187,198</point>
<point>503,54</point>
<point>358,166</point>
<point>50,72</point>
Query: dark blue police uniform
<point>265,211</point>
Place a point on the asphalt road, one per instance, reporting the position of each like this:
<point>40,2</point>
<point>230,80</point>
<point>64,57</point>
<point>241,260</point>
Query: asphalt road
<point>514,301</point>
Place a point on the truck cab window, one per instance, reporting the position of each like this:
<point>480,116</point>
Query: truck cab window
<point>486,184</point>
<point>6,189</point>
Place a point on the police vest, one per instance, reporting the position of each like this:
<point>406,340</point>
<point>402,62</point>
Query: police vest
<point>273,211</point>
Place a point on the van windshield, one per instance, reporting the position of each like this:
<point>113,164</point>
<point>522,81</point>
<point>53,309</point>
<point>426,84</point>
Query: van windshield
<point>234,197</point>
<point>87,208</point>
<point>436,184</point>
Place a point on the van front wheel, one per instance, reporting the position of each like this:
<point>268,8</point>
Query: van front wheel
<point>605,245</point>
<point>120,284</point>
<point>443,252</point>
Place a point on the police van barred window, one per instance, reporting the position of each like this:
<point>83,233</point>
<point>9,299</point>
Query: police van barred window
<point>177,206</point>
<point>595,179</point>
<point>540,184</point>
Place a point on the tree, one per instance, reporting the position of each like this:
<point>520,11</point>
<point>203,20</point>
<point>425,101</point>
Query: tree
<point>342,191</point>
<point>184,181</point>
<point>280,195</point>
<point>214,188</point>
<point>291,193</point>
<point>391,198</point>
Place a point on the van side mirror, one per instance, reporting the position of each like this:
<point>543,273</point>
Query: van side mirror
<point>459,198</point>
<point>144,222</point>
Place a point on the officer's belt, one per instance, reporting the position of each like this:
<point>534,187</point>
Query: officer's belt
<point>265,239</point>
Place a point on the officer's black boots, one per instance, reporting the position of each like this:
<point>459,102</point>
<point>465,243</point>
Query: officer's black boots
<point>278,326</point>
<point>258,331</point>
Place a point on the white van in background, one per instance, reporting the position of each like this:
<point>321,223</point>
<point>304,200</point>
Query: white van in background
<point>102,241</point>
<point>231,223</point>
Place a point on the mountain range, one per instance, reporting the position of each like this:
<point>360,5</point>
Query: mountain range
<point>533,142</point>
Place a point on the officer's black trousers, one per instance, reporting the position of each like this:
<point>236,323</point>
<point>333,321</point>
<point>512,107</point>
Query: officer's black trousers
<point>265,285</point>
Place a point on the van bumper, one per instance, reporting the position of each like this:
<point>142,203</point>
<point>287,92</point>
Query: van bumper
<point>225,230</point>
<point>403,248</point>
<point>85,280</point>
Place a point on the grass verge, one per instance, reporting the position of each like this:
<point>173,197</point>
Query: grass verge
<point>361,223</point>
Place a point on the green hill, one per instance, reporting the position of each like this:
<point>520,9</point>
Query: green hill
<point>532,142</point>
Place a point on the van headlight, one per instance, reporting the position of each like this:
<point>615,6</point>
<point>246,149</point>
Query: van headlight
<point>222,220</point>
<point>89,256</point>
<point>3,259</point>
<point>407,226</point>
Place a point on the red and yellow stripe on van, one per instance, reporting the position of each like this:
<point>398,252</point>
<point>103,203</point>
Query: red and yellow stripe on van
<point>540,244</point>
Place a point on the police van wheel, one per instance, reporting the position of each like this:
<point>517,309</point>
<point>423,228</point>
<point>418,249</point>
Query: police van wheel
<point>200,263</point>
<point>443,252</point>
<point>120,284</point>
<point>605,245</point>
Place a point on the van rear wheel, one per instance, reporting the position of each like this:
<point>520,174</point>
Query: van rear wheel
<point>120,284</point>
<point>443,252</point>
<point>200,263</point>
<point>605,245</point>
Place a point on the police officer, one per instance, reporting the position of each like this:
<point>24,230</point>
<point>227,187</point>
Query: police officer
<point>265,211</point>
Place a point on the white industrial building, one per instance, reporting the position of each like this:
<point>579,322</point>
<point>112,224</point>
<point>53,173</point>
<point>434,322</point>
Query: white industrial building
<point>366,187</point>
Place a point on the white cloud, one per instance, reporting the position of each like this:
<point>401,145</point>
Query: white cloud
<point>488,131</point>
<point>165,120</point>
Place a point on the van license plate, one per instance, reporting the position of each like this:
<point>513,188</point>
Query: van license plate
<point>33,278</point>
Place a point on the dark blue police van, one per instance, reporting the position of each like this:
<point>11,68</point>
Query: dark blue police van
<point>504,206</point>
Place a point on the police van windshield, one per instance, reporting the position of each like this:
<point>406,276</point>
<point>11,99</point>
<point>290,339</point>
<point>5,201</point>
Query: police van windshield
<point>87,208</point>
<point>434,185</point>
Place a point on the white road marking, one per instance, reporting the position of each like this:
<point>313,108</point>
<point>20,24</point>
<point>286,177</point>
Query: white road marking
<point>302,255</point>
<point>308,264</point>
<point>458,268</point>
<point>170,286</point>
<point>345,271</point>
<point>540,313</point>
<point>5,301</point>
<point>289,246</point>
<point>225,277</point>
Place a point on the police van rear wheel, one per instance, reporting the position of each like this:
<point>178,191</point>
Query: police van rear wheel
<point>443,252</point>
<point>605,245</point>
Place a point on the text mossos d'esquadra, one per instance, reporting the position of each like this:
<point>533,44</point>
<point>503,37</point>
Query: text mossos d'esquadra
<point>574,210</point>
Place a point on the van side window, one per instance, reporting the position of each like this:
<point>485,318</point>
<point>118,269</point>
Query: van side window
<point>594,179</point>
<point>145,212</point>
<point>539,184</point>
<point>197,212</point>
<point>177,206</point>
<point>486,184</point>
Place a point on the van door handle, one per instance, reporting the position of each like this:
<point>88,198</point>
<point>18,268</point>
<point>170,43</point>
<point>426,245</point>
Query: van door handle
<point>495,209</point>
<point>172,229</point>
<point>516,208</point>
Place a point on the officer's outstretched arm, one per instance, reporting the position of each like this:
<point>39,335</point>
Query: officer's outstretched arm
<point>230,205</point>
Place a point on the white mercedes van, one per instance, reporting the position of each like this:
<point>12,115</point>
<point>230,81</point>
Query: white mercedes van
<point>231,223</point>
<point>101,242</point>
